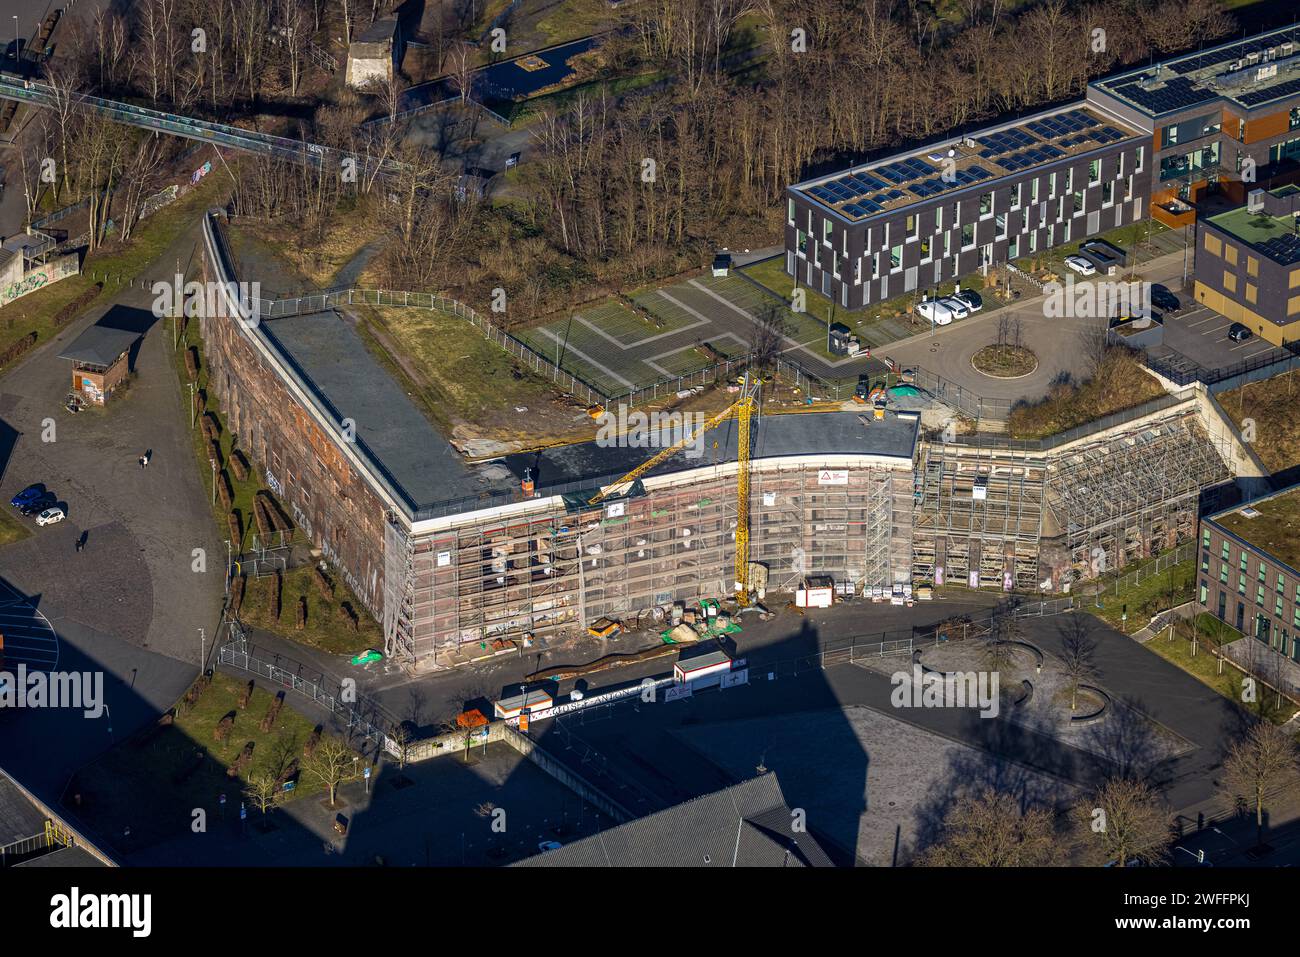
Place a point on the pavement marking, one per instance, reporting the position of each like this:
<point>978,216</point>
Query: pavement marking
<point>29,638</point>
<point>640,342</point>
<point>586,358</point>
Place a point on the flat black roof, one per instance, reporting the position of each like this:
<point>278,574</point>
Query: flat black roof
<point>435,479</point>
<point>99,345</point>
<point>417,458</point>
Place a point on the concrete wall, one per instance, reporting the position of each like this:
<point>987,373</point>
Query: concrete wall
<point>16,283</point>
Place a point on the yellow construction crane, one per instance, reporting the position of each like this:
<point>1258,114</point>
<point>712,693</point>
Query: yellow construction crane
<point>742,411</point>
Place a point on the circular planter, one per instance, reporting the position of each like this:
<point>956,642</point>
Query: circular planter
<point>1019,372</point>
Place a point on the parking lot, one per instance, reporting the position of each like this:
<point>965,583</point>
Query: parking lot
<point>1197,336</point>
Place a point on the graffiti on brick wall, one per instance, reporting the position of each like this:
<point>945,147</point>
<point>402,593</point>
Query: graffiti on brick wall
<point>300,518</point>
<point>273,483</point>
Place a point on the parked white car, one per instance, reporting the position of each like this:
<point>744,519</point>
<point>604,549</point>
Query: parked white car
<point>954,305</point>
<point>970,299</point>
<point>1080,265</point>
<point>50,516</point>
<point>936,312</point>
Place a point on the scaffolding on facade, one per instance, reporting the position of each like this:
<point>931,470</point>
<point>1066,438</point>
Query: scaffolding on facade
<point>977,515</point>
<point>1131,495</point>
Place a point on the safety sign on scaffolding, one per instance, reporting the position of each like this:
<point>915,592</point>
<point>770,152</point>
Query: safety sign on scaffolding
<point>833,477</point>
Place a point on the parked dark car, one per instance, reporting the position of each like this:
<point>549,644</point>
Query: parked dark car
<point>39,504</point>
<point>1162,298</point>
<point>970,298</point>
<point>30,493</point>
<point>1239,333</point>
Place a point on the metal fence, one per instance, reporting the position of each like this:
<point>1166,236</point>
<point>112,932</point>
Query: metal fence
<point>363,717</point>
<point>1184,552</point>
<point>1282,359</point>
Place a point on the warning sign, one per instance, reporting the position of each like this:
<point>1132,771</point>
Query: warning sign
<point>833,477</point>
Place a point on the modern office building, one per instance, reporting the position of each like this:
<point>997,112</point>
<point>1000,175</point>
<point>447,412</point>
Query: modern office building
<point>1250,569</point>
<point>917,219</point>
<point>1248,264</point>
<point>1147,142</point>
<point>1220,120</point>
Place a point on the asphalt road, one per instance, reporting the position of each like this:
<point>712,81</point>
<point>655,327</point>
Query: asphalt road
<point>130,605</point>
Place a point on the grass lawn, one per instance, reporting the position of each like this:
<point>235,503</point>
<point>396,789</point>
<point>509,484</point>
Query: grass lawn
<point>12,528</point>
<point>324,629</point>
<point>1204,665</point>
<point>1147,598</point>
<point>459,375</point>
<point>136,783</point>
<point>1271,405</point>
<point>35,312</point>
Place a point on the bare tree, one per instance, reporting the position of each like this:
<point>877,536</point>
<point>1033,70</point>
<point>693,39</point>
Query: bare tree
<point>1078,652</point>
<point>329,763</point>
<point>1257,766</point>
<point>991,829</point>
<point>1125,820</point>
<point>262,790</point>
<point>768,338</point>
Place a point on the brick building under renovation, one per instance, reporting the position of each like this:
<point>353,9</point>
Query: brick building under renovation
<point>446,553</point>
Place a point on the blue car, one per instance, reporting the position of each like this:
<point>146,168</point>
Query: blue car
<point>30,494</point>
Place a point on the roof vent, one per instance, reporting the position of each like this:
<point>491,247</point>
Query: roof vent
<point>1252,58</point>
<point>1255,201</point>
<point>1249,512</point>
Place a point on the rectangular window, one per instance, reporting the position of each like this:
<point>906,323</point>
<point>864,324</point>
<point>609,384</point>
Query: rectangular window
<point>986,204</point>
<point>1223,574</point>
<point>1229,281</point>
<point>1015,196</point>
<point>1241,584</point>
<point>1094,172</point>
<point>826,231</point>
<point>1243,565</point>
<point>1224,555</point>
<point>912,226</point>
<point>1077,201</point>
<point>1205,538</point>
<point>938,219</point>
<point>1204,592</point>
<point>1277,607</point>
<point>1033,188</point>
<point>1281,584</point>
<point>1069,180</point>
<point>1013,248</point>
<point>925,249</point>
<point>1001,220</point>
<point>1259,595</point>
<point>1051,186</point>
<point>1205,561</point>
<point>968,236</point>
<point>1107,193</point>
<point>1262,573</point>
<point>801,243</point>
<point>1169,136</point>
<point>790,211</point>
<point>1141,156</point>
<point>895,258</point>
